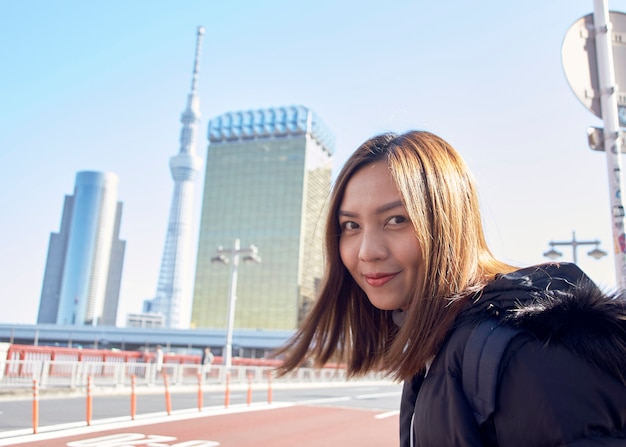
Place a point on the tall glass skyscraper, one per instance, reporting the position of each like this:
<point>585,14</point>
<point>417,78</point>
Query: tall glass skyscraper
<point>268,175</point>
<point>84,267</point>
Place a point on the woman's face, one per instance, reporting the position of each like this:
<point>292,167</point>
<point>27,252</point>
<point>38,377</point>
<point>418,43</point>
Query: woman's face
<point>377,244</point>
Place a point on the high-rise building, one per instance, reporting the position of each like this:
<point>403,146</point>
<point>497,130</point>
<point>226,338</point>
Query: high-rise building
<point>83,273</point>
<point>268,175</point>
<point>173,296</point>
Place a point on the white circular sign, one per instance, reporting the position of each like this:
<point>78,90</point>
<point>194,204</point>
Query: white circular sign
<point>578,55</point>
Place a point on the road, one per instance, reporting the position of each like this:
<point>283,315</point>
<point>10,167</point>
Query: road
<point>339,414</point>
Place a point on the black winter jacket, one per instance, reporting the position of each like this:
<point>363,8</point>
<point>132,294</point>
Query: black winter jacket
<point>561,380</point>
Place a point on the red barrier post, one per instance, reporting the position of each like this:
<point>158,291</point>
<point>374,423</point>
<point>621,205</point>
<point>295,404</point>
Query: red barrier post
<point>199,391</point>
<point>133,397</point>
<point>227,392</point>
<point>269,387</point>
<point>89,400</point>
<point>168,400</point>
<point>35,406</point>
<point>249,397</point>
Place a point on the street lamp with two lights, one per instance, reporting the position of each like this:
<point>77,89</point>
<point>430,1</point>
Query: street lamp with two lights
<point>596,253</point>
<point>251,254</point>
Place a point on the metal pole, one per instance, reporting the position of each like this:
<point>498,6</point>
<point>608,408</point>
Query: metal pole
<point>608,101</point>
<point>574,247</point>
<point>232,298</point>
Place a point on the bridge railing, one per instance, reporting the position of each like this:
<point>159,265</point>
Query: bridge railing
<point>75,374</point>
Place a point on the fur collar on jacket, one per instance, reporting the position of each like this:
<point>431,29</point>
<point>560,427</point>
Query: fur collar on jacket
<point>559,304</point>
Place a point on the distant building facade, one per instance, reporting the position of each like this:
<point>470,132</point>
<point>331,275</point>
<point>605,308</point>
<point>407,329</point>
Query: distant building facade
<point>83,272</point>
<point>145,320</point>
<point>268,175</point>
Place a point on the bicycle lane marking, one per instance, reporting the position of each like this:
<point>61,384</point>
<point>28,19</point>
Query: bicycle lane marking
<point>282,427</point>
<point>79,428</point>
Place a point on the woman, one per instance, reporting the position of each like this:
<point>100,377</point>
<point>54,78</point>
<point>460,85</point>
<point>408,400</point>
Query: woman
<point>409,279</point>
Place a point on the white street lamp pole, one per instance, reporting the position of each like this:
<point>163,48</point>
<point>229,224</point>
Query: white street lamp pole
<point>251,255</point>
<point>232,298</point>
<point>608,102</point>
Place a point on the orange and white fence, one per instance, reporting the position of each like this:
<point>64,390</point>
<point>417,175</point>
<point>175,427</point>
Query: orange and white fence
<point>76,374</point>
<point>73,368</point>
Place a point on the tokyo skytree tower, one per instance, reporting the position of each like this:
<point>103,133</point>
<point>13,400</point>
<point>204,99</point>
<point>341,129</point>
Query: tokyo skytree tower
<point>173,296</point>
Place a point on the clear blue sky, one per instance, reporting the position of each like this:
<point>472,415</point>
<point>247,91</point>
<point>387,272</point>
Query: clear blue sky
<point>100,85</point>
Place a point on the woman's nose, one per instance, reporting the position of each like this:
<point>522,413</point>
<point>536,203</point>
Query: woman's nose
<point>372,247</point>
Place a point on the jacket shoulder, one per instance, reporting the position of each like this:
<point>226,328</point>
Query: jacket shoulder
<point>583,319</point>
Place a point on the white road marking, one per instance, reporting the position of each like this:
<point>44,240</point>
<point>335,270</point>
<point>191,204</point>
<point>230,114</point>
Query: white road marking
<point>387,414</point>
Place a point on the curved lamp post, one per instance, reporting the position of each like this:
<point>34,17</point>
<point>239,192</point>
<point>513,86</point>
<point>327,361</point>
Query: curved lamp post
<point>250,255</point>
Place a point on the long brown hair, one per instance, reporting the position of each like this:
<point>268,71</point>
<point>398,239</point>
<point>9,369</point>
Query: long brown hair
<point>441,200</point>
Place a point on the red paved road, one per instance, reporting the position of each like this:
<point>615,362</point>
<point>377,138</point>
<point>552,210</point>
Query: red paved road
<point>301,426</point>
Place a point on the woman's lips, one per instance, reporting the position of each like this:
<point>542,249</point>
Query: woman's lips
<point>379,279</point>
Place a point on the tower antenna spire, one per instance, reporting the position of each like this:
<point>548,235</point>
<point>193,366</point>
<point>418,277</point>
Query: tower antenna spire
<point>173,296</point>
<point>196,62</point>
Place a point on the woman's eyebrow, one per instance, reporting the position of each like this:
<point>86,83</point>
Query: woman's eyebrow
<point>342,213</point>
<point>380,210</point>
<point>389,206</point>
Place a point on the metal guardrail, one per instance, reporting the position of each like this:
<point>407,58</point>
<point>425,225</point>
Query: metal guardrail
<point>73,374</point>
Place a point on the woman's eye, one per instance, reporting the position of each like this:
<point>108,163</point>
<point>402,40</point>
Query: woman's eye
<point>397,220</point>
<point>349,225</point>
